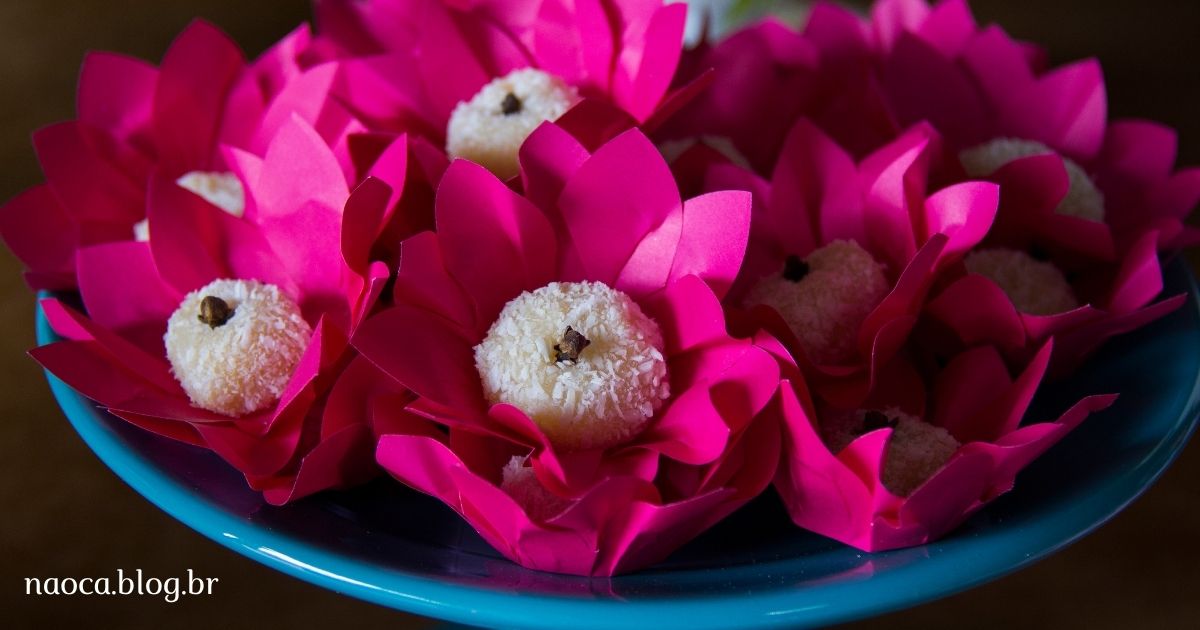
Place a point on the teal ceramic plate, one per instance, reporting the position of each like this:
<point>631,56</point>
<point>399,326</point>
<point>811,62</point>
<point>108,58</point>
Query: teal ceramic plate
<point>388,545</point>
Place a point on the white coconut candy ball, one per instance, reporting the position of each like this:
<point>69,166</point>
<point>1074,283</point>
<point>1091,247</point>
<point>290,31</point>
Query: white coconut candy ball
<point>1084,200</point>
<point>521,483</point>
<point>581,359</point>
<point>234,344</point>
<point>1035,287</point>
<point>825,298</point>
<point>223,190</point>
<point>489,128</point>
<point>916,451</point>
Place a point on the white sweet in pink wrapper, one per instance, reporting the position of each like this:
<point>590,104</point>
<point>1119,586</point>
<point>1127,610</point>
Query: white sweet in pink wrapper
<point>581,359</point>
<point>1035,287</point>
<point>825,298</point>
<point>1083,200</point>
<point>916,451</point>
<point>490,128</point>
<point>234,344</point>
<point>223,190</point>
<point>521,483</point>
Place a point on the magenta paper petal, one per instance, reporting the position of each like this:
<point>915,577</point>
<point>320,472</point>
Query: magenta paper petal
<point>922,84</point>
<point>495,243</point>
<point>1139,279</point>
<point>964,213</point>
<point>978,311</point>
<point>607,222</point>
<point>549,157</point>
<point>39,232</point>
<point>186,236</point>
<point>842,497</point>
<point>689,315</point>
<point>135,303</point>
<point>425,353</point>
<point>649,54</point>
<point>298,169</point>
<point>194,78</point>
<point>423,281</point>
<point>814,192</point>
<point>575,40</point>
<point>1066,109</point>
<point>81,166</point>
<point>70,324</point>
<point>116,94</point>
<point>894,181</point>
<point>308,96</point>
<point>342,460</point>
<point>363,218</point>
<point>254,454</point>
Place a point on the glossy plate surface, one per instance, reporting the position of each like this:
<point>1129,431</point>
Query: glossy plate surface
<point>386,544</point>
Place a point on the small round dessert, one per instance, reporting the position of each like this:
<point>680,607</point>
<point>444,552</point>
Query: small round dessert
<point>1035,287</point>
<point>1084,200</point>
<point>223,190</point>
<point>580,359</point>
<point>825,298</point>
<point>521,483</point>
<point>490,128</point>
<point>234,344</point>
<point>915,452</point>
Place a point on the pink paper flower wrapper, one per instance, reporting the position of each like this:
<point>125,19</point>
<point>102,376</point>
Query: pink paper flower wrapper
<point>909,63</point>
<point>706,451</point>
<point>406,64</point>
<point>306,233</point>
<point>818,194</point>
<point>840,495</point>
<point>138,123</point>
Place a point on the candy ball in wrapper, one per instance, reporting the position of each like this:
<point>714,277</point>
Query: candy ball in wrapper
<point>594,383</point>
<point>909,466</point>
<point>232,333</point>
<point>477,78</point>
<point>1072,192</point>
<point>848,234</point>
<point>233,345</point>
<point>617,283</point>
<point>138,123</point>
<point>490,128</point>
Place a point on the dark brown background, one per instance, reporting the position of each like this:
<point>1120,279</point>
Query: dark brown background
<point>62,513</point>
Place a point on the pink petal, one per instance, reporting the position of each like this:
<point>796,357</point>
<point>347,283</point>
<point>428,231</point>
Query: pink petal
<point>549,157</point>
<point>425,353</point>
<point>196,74</point>
<point>647,60</point>
<point>495,243</point>
<point>137,303</point>
<point>298,169</point>
<point>607,222</point>
<point>964,213</point>
<point>41,234</point>
<point>83,169</point>
<point>116,93</point>
<point>689,315</point>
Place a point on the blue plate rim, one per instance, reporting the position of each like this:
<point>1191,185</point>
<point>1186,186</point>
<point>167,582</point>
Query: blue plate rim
<point>459,603</point>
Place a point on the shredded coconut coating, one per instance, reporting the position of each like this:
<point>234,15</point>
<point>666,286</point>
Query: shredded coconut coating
<point>603,398</point>
<point>521,483</point>
<point>827,306</point>
<point>243,365</point>
<point>916,451</point>
<point>482,132</point>
<point>223,190</point>
<point>1084,200</point>
<point>1034,286</point>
